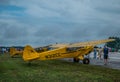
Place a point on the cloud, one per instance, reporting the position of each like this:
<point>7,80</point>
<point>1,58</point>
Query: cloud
<point>12,31</point>
<point>111,7</point>
<point>42,22</point>
<point>3,2</point>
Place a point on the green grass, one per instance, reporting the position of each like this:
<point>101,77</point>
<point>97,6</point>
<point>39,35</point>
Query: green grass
<point>16,70</point>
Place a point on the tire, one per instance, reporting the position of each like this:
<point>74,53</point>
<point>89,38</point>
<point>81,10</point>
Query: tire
<point>86,61</point>
<point>75,60</point>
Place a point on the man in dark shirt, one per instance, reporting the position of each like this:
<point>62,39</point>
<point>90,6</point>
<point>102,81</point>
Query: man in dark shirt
<point>105,51</point>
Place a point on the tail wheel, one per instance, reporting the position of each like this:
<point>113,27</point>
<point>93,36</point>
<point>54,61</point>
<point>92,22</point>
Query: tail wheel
<point>75,59</point>
<point>86,61</point>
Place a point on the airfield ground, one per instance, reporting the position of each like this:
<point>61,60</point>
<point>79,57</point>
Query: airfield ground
<point>17,70</point>
<point>113,61</point>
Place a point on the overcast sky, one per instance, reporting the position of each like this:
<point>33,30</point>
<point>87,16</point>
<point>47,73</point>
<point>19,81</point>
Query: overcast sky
<point>43,22</point>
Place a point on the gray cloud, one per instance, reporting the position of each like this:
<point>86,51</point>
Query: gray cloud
<point>12,33</point>
<point>42,22</point>
<point>4,2</point>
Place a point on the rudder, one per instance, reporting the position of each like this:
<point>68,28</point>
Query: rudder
<point>29,53</point>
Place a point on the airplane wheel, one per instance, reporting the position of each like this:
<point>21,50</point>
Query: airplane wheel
<point>75,59</point>
<point>86,61</point>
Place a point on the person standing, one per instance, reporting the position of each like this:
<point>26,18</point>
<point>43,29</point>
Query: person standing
<point>100,50</point>
<point>105,51</point>
<point>95,53</point>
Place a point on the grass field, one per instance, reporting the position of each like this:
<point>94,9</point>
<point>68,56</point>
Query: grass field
<point>16,70</point>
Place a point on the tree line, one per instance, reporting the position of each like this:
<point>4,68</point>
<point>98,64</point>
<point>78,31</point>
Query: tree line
<point>115,44</point>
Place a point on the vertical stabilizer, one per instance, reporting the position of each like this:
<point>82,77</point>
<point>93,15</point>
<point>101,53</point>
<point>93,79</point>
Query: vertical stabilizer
<point>29,53</point>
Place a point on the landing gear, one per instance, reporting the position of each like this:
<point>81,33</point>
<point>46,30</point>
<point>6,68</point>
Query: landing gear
<point>86,61</point>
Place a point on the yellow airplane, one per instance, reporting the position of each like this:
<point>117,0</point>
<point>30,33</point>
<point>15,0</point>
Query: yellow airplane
<point>77,51</point>
<point>13,52</point>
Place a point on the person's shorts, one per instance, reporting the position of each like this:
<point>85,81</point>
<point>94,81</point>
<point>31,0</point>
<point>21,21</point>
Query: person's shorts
<point>105,56</point>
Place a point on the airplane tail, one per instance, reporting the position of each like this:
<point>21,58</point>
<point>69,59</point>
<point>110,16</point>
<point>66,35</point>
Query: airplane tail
<point>13,51</point>
<point>29,53</point>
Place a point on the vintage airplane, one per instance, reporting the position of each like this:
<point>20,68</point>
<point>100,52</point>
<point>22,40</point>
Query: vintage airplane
<point>13,52</point>
<point>77,51</point>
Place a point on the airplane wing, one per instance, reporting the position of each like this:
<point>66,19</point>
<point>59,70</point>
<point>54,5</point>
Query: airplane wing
<point>81,44</point>
<point>59,45</point>
<point>91,43</point>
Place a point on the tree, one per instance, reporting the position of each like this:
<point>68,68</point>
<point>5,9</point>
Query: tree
<point>115,44</point>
